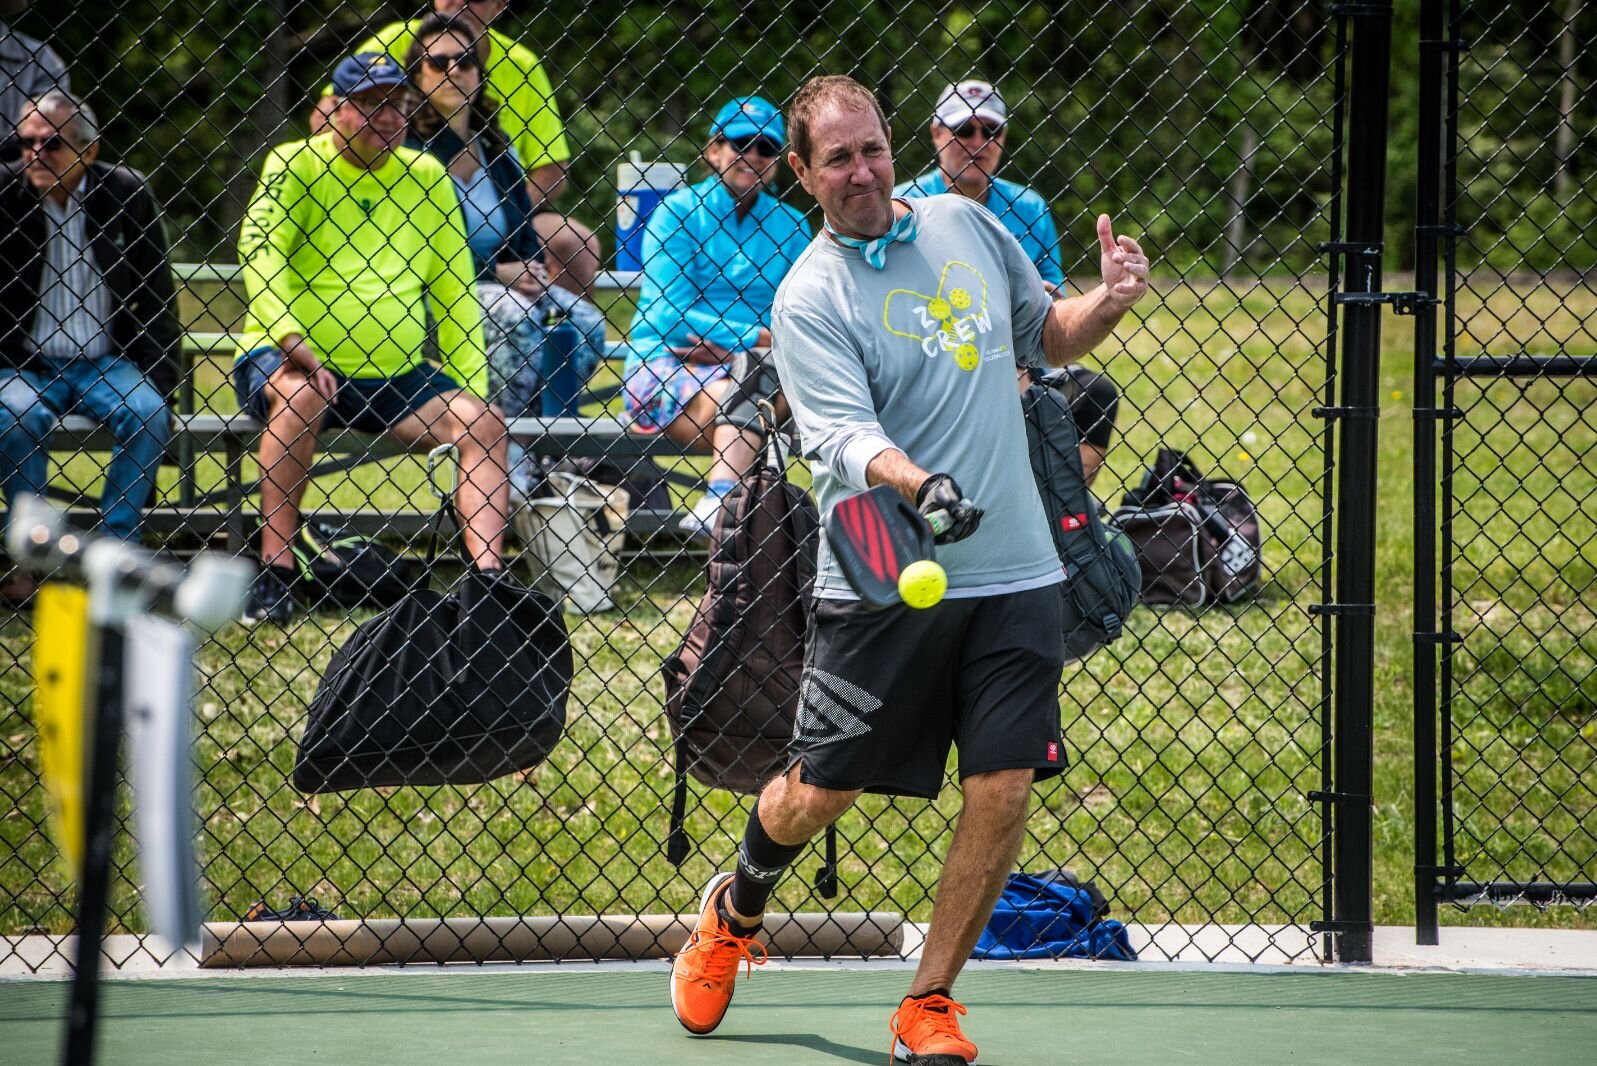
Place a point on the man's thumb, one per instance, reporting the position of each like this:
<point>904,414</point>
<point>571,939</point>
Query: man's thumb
<point>1106,234</point>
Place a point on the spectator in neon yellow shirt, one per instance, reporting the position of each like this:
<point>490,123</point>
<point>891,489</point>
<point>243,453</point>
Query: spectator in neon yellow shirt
<point>349,245</point>
<point>530,118</point>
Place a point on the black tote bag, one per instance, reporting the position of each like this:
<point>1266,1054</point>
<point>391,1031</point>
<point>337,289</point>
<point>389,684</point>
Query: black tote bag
<point>441,688</point>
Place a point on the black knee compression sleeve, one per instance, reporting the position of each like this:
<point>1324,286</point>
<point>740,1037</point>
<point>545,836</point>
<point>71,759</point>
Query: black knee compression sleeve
<point>761,864</point>
<point>753,379</point>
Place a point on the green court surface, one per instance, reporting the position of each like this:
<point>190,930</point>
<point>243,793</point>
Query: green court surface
<point>566,1015</point>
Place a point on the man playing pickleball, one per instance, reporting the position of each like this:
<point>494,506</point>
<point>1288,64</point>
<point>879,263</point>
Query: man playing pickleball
<point>896,336</point>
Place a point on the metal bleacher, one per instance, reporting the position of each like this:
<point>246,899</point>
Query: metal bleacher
<point>206,513</point>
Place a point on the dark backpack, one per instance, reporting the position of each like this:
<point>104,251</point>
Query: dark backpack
<point>732,688</point>
<point>441,688</point>
<point>1101,574</point>
<point>1198,539</point>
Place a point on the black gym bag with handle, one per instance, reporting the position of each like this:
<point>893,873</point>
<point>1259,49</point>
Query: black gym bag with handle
<point>1198,537</point>
<point>442,688</point>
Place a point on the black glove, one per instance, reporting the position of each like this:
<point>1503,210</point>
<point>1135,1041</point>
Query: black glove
<point>940,493</point>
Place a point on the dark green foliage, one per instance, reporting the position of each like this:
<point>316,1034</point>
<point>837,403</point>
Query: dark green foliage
<point>1142,110</point>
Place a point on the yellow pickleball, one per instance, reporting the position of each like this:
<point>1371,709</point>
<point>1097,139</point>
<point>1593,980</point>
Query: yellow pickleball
<point>922,583</point>
<point>959,298</point>
<point>939,309</point>
<point>966,357</point>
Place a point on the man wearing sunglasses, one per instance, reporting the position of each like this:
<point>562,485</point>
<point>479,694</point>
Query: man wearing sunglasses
<point>969,132</point>
<point>529,116</point>
<point>351,248</point>
<point>88,324</point>
<point>897,334</point>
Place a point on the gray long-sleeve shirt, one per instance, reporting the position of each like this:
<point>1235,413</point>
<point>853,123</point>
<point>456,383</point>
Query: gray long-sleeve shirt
<point>921,356</point>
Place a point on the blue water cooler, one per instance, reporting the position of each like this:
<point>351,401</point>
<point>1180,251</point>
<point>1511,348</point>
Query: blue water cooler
<point>640,187</point>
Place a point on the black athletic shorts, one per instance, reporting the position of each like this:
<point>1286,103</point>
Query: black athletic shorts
<point>370,405</point>
<point>885,693</point>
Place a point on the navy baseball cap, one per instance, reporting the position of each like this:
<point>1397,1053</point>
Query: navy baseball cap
<point>367,70</point>
<point>749,115</point>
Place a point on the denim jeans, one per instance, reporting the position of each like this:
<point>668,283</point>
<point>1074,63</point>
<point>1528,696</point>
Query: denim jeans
<point>107,388</point>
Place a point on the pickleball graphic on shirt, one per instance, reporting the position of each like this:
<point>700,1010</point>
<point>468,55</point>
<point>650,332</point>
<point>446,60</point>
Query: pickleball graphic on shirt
<point>950,321</point>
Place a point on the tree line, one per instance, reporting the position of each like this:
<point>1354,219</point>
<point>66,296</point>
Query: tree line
<point>1206,124</point>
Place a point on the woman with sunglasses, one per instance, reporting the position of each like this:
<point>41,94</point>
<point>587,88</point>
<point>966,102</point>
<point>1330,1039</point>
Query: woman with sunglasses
<point>542,340</point>
<point>713,255</point>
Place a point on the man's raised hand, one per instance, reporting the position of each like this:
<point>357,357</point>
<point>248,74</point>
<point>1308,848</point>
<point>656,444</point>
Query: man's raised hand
<point>1124,266</point>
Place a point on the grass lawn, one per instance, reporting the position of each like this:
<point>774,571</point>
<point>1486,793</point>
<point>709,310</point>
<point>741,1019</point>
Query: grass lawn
<point>1194,739</point>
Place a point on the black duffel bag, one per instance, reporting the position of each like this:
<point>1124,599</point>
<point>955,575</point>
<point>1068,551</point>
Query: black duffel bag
<point>441,689</point>
<point>1198,538</point>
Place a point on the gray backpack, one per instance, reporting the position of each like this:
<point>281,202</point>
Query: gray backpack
<point>1101,573</point>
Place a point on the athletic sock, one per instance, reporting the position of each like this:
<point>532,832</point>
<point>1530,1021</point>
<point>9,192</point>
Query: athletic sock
<point>720,487</point>
<point>945,993</point>
<point>761,864</point>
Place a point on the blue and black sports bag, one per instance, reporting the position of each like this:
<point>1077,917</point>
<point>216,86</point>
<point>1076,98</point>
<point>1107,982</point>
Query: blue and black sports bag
<point>1101,573</point>
<point>1052,916</point>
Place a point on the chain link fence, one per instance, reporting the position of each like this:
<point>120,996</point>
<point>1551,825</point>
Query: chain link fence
<point>1517,498</point>
<point>1210,129</point>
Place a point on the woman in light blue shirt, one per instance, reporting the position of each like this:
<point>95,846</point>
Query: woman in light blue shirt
<point>713,255</point>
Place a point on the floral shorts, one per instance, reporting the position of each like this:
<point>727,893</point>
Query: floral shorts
<point>657,390</point>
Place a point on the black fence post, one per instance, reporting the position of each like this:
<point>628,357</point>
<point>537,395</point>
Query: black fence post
<point>1427,636</point>
<point>99,824</point>
<point>1353,745</point>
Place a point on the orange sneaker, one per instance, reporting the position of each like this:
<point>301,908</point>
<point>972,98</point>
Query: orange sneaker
<point>926,1033</point>
<point>704,971</point>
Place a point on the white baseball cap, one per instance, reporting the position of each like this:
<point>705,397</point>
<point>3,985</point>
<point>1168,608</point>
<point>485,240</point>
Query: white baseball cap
<point>972,98</point>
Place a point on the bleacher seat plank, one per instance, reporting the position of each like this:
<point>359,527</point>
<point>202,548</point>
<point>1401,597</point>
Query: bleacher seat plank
<point>603,435</point>
<point>227,273</point>
<point>653,530</point>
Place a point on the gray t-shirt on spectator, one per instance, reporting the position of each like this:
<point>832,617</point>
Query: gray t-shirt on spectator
<point>28,68</point>
<point>921,356</point>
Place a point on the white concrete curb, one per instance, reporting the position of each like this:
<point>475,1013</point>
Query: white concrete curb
<point>1163,948</point>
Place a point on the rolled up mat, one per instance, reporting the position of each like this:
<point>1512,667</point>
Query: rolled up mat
<point>377,941</point>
